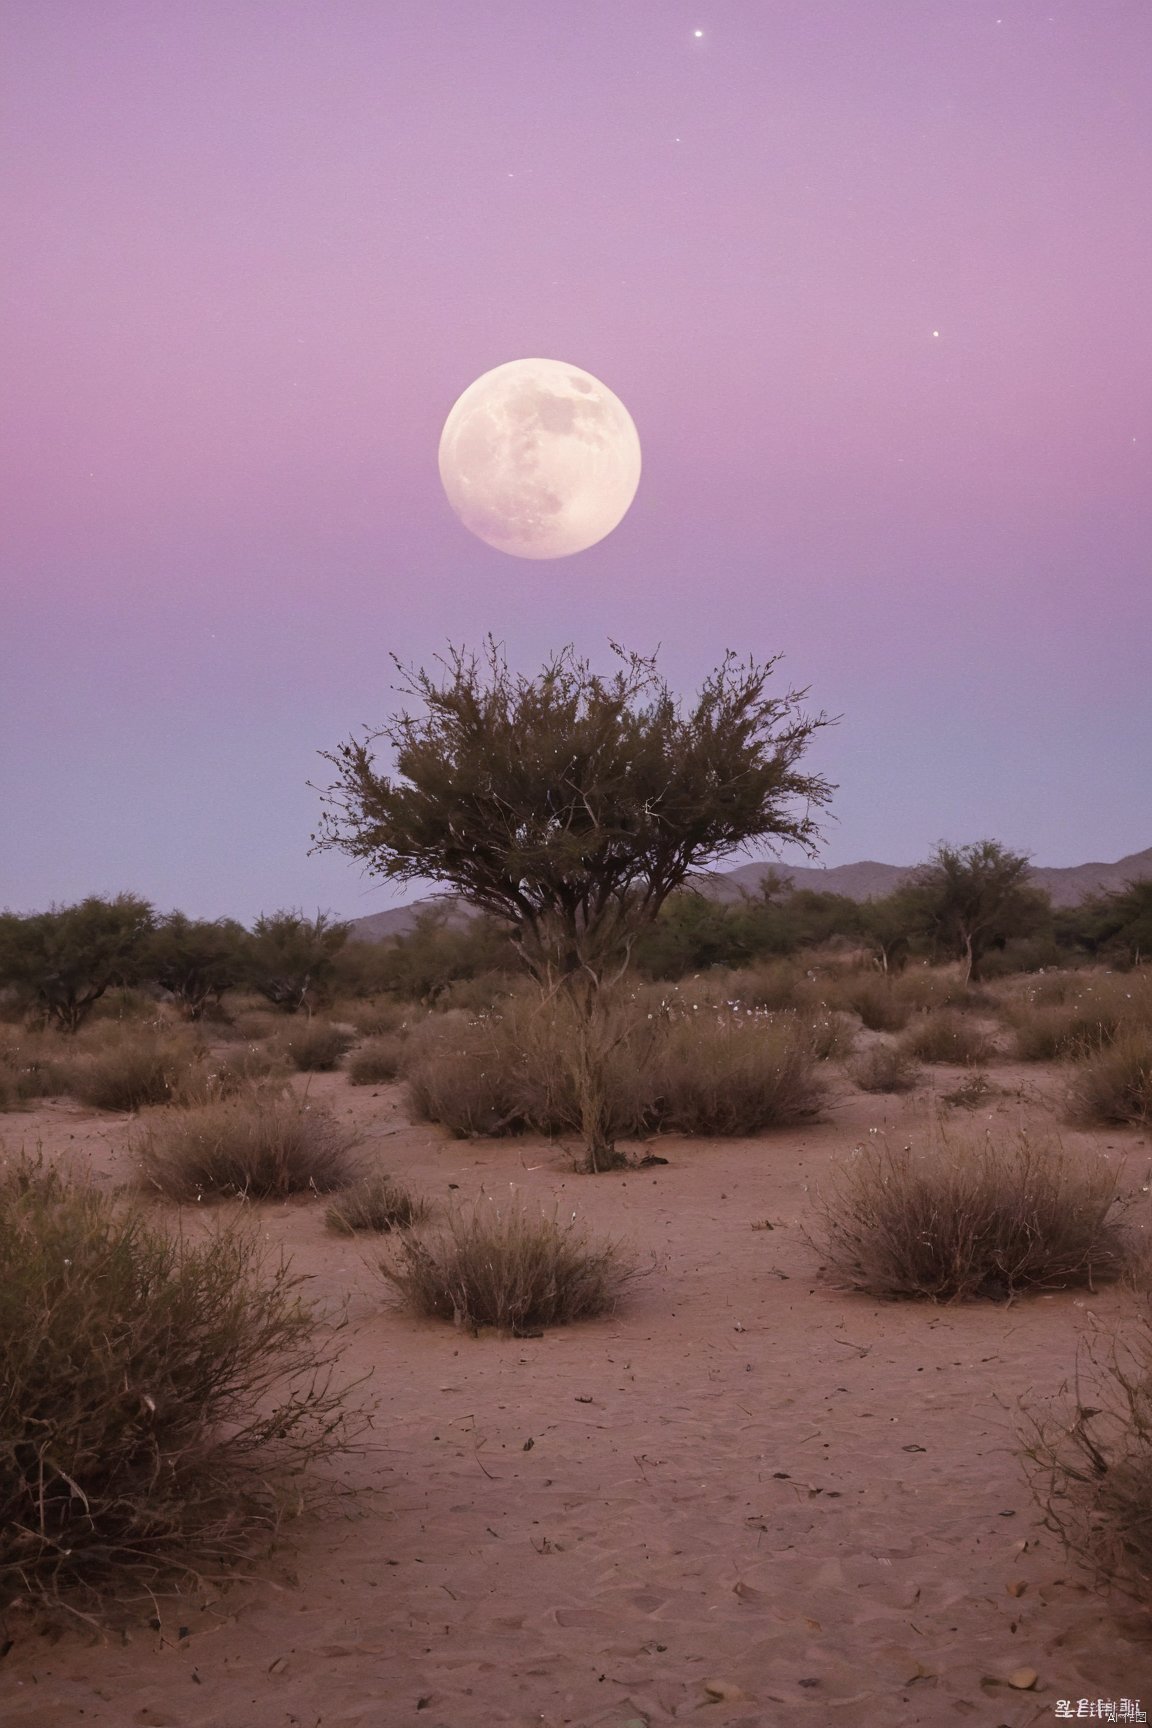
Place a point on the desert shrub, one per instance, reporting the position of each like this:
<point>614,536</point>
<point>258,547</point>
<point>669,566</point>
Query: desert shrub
<point>372,1019</point>
<point>129,1070</point>
<point>731,1074</point>
<point>260,1145</point>
<point>1115,1083</point>
<point>970,1217</point>
<point>377,1060</point>
<point>886,1068</point>
<point>943,1035</point>
<point>375,1202</point>
<point>31,1066</point>
<point>242,1068</point>
<point>253,1025</point>
<point>771,986</point>
<point>973,1091</point>
<point>1050,1033</point>
<point>464,1074</point>
<point>1090,1458</point>
<point>314,1046</point>
<point>676,1067</point>
<point>925,987</point>
<point>881,1007</point>
<point>158,1398</point>
<point>831,1035</point>
<point>508,1267</point>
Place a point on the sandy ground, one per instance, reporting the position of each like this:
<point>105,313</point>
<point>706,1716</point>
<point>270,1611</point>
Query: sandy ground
<point>747,1499</point>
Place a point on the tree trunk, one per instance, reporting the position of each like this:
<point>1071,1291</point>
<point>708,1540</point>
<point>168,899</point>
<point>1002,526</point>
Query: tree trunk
<point>590,1067</point>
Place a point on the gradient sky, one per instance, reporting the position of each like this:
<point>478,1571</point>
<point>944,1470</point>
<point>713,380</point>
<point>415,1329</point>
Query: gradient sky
<point>255,249</point>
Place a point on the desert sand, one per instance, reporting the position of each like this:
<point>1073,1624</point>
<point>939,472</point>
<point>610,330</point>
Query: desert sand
<point>748,1498</point>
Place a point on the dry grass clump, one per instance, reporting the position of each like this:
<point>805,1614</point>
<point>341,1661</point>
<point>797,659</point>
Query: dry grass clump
<point>879,1002</point>
<point>260,1145</point>
<point>1091,1460</point>
<point>673,1067</point>
<point>972,1217</point>
<point>31,1066</point>
<point>886,1068</point>
<point>374,1018</point>
<point>942,1035</point>
<point>160,1398</point>
<point>377,1060</point>
<point>1114,1084</point>
<point>313,1046</point>
<point>226,1076</point>
<point>375,1202</point>
<point>733,1074</point>
<point>128,1069</point>
<point>772,986</point>
<point>509,1267</point>
<point>253,1025</point>
<point>1051,1032</point>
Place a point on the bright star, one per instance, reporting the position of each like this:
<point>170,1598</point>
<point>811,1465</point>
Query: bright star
<point>697,34</point>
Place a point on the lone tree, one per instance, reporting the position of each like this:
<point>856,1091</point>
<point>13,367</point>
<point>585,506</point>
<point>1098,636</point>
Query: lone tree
<point>968,899</point>
<point>196,959</point>
<point>570,806</point>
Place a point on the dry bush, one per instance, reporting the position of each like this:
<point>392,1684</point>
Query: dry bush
<point>261,1145</point>
<point>374,1018</point>
<point>255,1024</point>
<point>771,986</point>
<point>377,1060</point>
<point>670,1066</point>
<point>1051,1032</point>
<point>313,1046</point>
<point>1090,1460</point>
<point>886,1068</point>
<point>732,1074</point>
<point>239,1070</point>
<point>31,1066</point>
<point>831,1035</point>
<point>1115,1083</point>
<point>876,999</point>
<point>132,1007</point>
<point>972,1216</point>
<point>973,1091</point>
<point>509,1267</point>
<point>942,1035</point>
<point>375,1202</point>
<point>128,1069</point>
<point>160,1398</point>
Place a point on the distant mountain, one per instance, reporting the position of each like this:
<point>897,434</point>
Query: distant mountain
<point>865,881</point>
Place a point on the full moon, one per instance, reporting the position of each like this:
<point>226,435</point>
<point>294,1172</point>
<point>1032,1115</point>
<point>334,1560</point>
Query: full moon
<point>539,459</point>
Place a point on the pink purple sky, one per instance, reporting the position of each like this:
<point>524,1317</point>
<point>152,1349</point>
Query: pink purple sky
<point>254,251</point>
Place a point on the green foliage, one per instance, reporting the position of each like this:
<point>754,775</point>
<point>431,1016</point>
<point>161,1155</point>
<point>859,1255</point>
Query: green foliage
<point>1118,926</point>
<point>510,1268</point>
<point>62,961</point>
<point>969,899</point>
<point>291,959</point>
<point>973,1216</point>
<point>159,1398</point>
<point>195,959</point>
<point>438,952</point>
